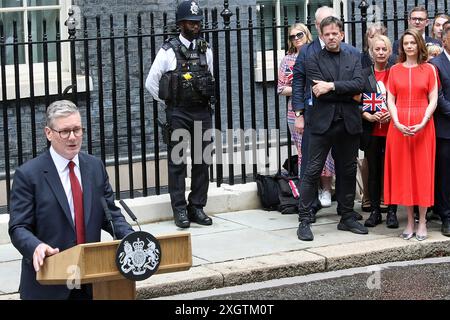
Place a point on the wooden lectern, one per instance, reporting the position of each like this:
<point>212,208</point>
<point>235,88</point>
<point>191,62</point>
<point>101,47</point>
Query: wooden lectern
<point>96,262</point>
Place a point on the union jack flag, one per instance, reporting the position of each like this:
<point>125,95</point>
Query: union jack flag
<point>289,72</point>
<point>373,102</point>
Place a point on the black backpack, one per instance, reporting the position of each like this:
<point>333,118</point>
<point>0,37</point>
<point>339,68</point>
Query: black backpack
<point>267,191</point>
<point>276,193</point>
<point>288,194</point>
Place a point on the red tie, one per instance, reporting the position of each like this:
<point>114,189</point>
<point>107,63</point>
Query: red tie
<point>77,195</point>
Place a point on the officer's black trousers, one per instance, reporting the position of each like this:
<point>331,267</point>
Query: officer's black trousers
<point>184,121</point>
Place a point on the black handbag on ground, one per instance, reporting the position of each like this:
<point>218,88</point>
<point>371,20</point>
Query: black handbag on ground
<point>267,191</point>
<point>277,192</point>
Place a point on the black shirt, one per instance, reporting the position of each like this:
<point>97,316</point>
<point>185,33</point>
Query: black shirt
<point>335,58</point>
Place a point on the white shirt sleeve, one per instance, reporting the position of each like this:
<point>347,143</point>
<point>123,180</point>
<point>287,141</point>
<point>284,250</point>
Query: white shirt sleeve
<point>164,61</point>
<point>209,60</point>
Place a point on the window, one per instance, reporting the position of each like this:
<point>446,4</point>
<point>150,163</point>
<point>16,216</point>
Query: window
<point>34,12</point>
<point>278,6</point>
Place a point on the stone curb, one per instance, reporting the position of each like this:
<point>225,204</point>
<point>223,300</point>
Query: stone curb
<point>291,264</point>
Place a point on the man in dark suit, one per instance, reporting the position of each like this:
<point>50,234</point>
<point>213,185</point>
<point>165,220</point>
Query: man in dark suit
<point>442,124</point>
<point>417,19</point>
<point>301,91</point>
<point>55,203</point>
<point>335,124</point>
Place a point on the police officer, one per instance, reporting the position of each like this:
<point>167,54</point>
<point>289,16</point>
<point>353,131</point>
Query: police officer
<point>181,78</point>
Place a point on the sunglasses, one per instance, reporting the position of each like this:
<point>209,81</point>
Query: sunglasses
<point>299,35</point>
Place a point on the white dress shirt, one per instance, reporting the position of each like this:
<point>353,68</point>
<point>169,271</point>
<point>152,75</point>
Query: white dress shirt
<point>62,166</point>
<point>166,61</point>
<point>322,43</point>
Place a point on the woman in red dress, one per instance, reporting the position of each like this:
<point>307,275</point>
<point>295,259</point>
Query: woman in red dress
<point>411,142</point>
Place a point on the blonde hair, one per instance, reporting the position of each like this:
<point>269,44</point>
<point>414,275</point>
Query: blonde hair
<point>291,47</point>
<point>387,42</point>
<point>433,50</point>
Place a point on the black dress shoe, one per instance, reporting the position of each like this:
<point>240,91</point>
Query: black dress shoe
<point>198,215</point>
<point>181,219</point>
<point>356,215</point>
<point>391,219</point>
<point>445,229</point>
<point>374,219</point>
<point>352,225</point>
<point>304,232</point>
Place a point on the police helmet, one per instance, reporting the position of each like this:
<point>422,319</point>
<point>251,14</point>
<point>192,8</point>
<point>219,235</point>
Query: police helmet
<point>189,10</point>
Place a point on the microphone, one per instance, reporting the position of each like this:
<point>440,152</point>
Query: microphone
<point>130,213</point>
<point>108,216</point>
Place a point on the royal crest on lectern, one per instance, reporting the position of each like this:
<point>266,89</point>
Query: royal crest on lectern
<point>138,256</point>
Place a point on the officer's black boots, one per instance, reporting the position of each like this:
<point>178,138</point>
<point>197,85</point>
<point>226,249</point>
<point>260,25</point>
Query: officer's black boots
<point>199,216</point>
<point>181,219</point>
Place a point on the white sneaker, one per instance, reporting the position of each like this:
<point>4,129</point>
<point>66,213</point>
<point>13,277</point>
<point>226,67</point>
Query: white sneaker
<point>325,198</point>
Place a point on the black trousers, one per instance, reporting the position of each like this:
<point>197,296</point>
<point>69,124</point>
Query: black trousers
<point>344,148</point>
<point>442,179</point>
<point>188,127</point>
<point>375,160</point>
<point>306,136</point>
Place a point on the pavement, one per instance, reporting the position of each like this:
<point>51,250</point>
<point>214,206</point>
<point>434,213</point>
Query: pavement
<point>253,245</point>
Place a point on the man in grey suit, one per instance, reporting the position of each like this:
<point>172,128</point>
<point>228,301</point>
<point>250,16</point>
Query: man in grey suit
<point>335,124</point>
<point>56,203</point>
<point>442,125</point>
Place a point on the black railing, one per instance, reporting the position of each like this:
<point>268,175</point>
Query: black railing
<point>105,72</point>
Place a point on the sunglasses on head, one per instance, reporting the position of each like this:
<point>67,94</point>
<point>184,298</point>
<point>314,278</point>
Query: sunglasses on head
<point>299,35</point>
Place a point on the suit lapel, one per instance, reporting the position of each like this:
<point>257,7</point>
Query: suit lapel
<point>86,177</point>
<point>316,46</point>
<point>52,177</point>
<point>445,63</point>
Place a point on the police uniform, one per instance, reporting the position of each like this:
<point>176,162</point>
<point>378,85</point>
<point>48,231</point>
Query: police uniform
<point>188,66</point>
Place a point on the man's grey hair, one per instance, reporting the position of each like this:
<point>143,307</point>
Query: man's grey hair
<point>60,109</point>
<point>326,9</point>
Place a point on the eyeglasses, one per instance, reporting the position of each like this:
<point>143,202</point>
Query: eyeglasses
<point>418,19</point>
<point>65,134</point>
<point>299,35</point>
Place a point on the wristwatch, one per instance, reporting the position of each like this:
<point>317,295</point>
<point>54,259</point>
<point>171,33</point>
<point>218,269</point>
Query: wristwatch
<point>299,113</point>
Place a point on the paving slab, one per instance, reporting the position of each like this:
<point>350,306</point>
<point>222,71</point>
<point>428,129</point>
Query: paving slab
<point>239,244</point>
<point>9,253</point>
<point>328,234</point>
<point>261,220</point>
<point>10,276</point>
<point>166,227</point>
